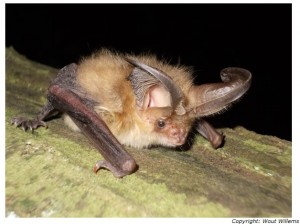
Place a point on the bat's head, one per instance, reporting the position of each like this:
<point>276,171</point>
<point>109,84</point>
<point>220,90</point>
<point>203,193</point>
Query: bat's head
<point>171,110</point>
<point>166,127</point>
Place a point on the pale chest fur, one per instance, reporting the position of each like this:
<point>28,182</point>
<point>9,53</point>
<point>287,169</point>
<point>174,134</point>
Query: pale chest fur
<point>129,129</point>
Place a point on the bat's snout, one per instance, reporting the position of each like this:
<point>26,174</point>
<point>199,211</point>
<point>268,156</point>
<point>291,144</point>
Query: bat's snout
<point>177,135</point>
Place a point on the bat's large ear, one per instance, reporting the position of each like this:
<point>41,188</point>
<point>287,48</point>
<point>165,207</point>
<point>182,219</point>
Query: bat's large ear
<point>212,98</point>
<point>154,88</point>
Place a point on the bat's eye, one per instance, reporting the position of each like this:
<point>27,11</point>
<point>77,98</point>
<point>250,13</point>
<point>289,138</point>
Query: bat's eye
<point>161,123</point>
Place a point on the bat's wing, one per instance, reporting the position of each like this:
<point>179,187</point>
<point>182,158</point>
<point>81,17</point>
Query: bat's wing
<point>64,96</point>
<point>94,128</point>
<point>210,133</point>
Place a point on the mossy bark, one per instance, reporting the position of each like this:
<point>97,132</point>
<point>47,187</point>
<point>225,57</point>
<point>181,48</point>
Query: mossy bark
<point>49,172</point>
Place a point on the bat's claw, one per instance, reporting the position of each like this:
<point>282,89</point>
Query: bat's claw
<point>26,124</point>
<point>130,166</point>
<point>106,165</point>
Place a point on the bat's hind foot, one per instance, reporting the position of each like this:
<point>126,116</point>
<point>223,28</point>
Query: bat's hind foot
<point>26,124</point>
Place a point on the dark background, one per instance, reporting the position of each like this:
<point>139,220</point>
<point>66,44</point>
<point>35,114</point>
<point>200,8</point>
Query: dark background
<point>208,37</point>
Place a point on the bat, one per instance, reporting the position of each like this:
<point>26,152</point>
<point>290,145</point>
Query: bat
<point>119,100</point>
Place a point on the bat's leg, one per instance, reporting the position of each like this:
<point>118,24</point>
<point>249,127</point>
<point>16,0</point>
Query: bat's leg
<point>210,133</point>
<point>32,124</point>
<point>117,160</point>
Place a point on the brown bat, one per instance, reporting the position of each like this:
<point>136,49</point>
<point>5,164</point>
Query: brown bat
<point>138,101</point>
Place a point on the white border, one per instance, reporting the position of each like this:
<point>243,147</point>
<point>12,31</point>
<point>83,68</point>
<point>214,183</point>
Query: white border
<point>295,126</point>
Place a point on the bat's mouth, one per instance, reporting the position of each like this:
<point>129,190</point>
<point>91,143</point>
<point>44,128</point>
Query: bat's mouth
<point>179,142</point>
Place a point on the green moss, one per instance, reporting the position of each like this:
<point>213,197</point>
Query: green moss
<point>51,167</point>
<point>71,179</point>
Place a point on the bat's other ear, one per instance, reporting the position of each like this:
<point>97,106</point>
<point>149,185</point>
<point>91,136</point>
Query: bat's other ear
<point>154,88</point>
<point>212,98</point>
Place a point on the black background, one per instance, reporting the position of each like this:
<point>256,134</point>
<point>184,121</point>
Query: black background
<point>208,37</point>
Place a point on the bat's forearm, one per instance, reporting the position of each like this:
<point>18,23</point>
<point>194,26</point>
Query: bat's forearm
<point>116,158</point>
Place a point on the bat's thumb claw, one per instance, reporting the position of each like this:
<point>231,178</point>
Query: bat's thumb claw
<point>128,167</point>
<point>96,167</point>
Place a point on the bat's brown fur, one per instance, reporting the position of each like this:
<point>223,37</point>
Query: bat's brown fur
<point>104,76</point>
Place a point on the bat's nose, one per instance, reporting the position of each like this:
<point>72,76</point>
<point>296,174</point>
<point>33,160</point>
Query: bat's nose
<point>178,135</point>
